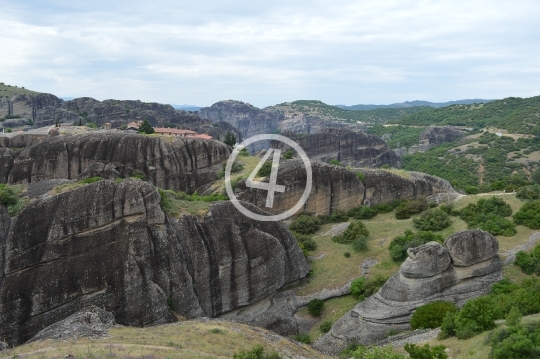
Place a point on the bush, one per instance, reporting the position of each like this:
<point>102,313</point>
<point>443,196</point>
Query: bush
<point>347,254</point>
<point>360,176</point>
<point>529,263</point>
<point>265,170</point>
<point>305,224</point>
<point>91,125</point>
<point>7,195</point>
<point>230,139</point>
<point>386,352</point>
<point>529,215</point>
<point>471,190</point>
<point>336,163</point>
<point>326,326</point>
<point>431,315</point>
<point>487,214</point>
<point>426,352</point>
<point>432,220</point>
<point>288,155</point>
<point>410,207</point>
<point>359,244</point>
<point>315,307</point>
<point>243,152</point>
<point>361,288</point>
<point>307,242</point>
<point>362,212</point>
<point>257,352</point>
<point>355,230</point>
<point>399,245</point>
<point>90,180</point>
<point>303,338</point>
<point>145,127</point>
<point>336,217</point>
<point>517,341</point>
<point>529,192</point>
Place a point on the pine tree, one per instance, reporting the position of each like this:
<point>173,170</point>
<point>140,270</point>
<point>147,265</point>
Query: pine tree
<point>230,139</point>
<point>146,127</point>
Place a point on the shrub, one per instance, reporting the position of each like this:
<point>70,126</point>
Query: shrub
<point>326,326</point>
<point>257,352</point>
<point>529,192</point>
<point>360,176</point>
<point>386,166</point>
<point>471,190</point>
<point>265,170</point>
<point>388,207</point>
<point>362,212</point>
<point>529,215</point>
<point>335,162</point>
<point>399,245</point>
<point>336,217</point>
<point>518,341</point>
<point>303,338</point>
<point>230,139</point>
<point>410,207</point>
<point>361,288</point>
<point>426,352</point>
<point>243,152</point>
<point>432,220</point>
<point>355,230</point>
<point>305,224</point>
<point>146,127</point>
<point>90,180</point>
<point>91,125</point>
<point>288,155</point>
<point>529,263</point>
<point>315,307</point>
<point>359,244</point>
<point>307,242</point>
<point>431,315</point>
<point>347,254</point>
<point>487,214</point>
<point>386,352</point>
<point>7,195</point>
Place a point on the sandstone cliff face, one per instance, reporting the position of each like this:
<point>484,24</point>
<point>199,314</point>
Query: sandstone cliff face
<point>178,164</point>
<point>110,245</point>
<point>355,149</point>
<point>333,188</point>
<point>464,268</point>
<point>435,135</point>
<point>385,187</point>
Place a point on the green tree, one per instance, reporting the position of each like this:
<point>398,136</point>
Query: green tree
<point>431,315</point>
<point>432,220</point>
<point>315,307</point>
<point>426,352</point>
<point>146,127</point>
<point>355,230</point>
<point>230,139</point>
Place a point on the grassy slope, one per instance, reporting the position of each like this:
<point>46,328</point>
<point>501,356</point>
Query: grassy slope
<point>188,339</point>
<point>10,91</point>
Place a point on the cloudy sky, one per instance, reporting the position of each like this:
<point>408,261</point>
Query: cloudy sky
<point>336,51</point>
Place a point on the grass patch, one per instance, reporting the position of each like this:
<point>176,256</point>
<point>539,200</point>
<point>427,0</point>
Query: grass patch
<point>177,203</point>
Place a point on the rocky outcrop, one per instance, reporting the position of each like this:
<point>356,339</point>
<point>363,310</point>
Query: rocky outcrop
<point>110,245</point>
<point>333,188</point>
<point>248,119</point>
<point>385,186</point>
<point>464,268</point>
<point>170,163</point>
<point>435,135</point>
<point>355,149</point>
<point>92,322</point>
<point>22,140</point>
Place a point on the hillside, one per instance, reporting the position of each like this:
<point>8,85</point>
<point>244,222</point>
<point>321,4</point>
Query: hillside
<point>415,103</point>
<point>517,115</point>
<point>10,91</point>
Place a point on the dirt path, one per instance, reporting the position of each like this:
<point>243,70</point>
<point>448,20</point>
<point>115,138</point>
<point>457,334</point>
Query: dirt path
<point>511,254</point>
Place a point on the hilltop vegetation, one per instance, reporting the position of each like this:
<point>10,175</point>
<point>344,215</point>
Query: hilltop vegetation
<point>517,115</point>
<point>10,91</point>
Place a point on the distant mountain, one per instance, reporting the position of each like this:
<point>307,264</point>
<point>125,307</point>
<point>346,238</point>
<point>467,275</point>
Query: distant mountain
<point>413,104</point>
<point>187,107</point>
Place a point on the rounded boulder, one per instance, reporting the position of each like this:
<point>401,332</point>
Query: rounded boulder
<point>425,261</point>
<point>472,246</point>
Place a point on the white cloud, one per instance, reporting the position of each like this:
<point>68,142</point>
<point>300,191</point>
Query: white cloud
<point>338,51</point>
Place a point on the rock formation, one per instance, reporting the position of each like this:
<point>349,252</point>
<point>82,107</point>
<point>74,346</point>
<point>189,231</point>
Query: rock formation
<point>333,188</point>
<point>355,149</point>
<point>109,244</point>
<point>92,322</point>
<point>170,163</point>
<point>464,268</point>
<point>435,135</point>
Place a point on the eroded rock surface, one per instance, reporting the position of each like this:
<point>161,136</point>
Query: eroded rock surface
<point>435,135</point>
<point>430,273</point>
<point>333,188</point>
<point>169,163</point>
<point>111,245</point>
<point>351,148</point>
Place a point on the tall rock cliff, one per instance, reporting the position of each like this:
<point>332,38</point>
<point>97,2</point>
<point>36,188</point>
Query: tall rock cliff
<point>355,149</point>
<point>110,245</point>
<point>170,163</point>
<point>464,267</point>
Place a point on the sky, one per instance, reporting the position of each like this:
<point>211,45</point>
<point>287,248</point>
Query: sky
<point>264,53</point>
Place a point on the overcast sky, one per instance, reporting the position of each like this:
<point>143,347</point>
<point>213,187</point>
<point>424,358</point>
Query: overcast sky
<point>337,51</point>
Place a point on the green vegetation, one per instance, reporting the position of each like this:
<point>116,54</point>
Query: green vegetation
<point>399,136</point>
<point>514,114</point>
<point>529,215</point>
<point>9,197</point>
<point>354,231</point>
<point>174,203</point>
<point>90,180</point>
<point>529,192</point>
<point>361,288</point>
<point>431,315</point>
<point>325,326</point>
<point>336,163</point>
<point>230,139</point>
<point>388,352</point>
<point>516,341</point>
<point>399,245</point>
<point>529,262</point>
<point>265,170</point>
<point>410,207</point>
<point>315,307</point>
<point>146,128</point>
<point>10,91</point>
<point>425,352</point>
<point>362,212</point>
<point>288,155</point>
<point>433,219</point>
<point>303,338</point>
<point>91,125</point>
<point>488,214</point>
<point>257,352</point>
<point>305,224</point>
<point>479,314</point>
